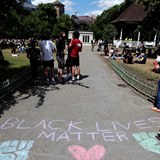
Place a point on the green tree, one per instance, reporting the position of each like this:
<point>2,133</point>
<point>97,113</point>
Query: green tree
<point>10,13</point>
<point>30,26</point>
<point>63,24</point>
<point>45,18</point>
<point>152,22</point>
<point>153,4</point>
<point>110,32</point>
<point>102,21</point>
<point>16,21</point>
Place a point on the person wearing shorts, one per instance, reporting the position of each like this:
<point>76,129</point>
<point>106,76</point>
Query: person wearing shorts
<point>75,47</point>
<point>60,46</point>
<point>47,47</point>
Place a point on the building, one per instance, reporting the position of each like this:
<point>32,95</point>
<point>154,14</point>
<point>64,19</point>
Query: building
<point>85,36</point>
<point>130,18</point>
<point>133,14</point>
<point>60,8</point>
<point>127,23</point>
<point>86,19</point>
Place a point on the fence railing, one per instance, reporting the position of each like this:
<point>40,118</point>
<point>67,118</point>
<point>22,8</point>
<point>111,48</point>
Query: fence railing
<point>148,44</point>
<point>145,87</point>
<point>11,84</point>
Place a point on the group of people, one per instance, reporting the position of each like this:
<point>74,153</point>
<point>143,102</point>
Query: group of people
<point>140,56</point>
<point>127,56</point>
<point>44,56</point>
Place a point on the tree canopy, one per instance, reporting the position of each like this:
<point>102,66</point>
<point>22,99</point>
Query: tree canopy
<point>152,22</point>
<point>153,4</point>
<point>18,22</point>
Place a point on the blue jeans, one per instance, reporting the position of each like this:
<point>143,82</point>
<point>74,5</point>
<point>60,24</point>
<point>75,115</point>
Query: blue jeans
<point>158,95</point>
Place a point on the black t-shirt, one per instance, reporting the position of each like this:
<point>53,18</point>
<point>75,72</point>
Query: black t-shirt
<point>33,54</point>
<point>60,45</point>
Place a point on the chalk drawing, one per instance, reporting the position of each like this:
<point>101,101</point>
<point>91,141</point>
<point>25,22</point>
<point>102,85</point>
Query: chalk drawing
<point>95,153</point>
<point>148,141</point>
<point>15,150</point>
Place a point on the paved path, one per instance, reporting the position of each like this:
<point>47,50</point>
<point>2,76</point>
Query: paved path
<point>94,119</point>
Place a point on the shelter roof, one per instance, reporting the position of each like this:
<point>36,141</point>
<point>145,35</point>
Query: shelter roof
<point>58,3</point>
<point>133,13</point>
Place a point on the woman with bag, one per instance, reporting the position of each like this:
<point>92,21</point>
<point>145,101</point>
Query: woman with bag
<point>60,45</point>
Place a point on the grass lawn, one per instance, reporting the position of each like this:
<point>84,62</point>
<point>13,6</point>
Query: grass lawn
<point>16,65</point>
<point>142,70</point>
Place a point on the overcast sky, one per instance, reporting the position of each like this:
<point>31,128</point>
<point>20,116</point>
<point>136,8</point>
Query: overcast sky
<point>83,7</point>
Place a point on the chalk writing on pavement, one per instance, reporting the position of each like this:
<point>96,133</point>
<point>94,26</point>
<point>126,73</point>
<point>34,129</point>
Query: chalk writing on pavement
<point>95,153</point>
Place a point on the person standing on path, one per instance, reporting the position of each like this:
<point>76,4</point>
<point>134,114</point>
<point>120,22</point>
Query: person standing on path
<point>106,50</point>
<point>33,54</point>
<point>60,46</point>
<point>68,64</point>
<point>157,106</point>
<point>75,47</point>
<point>92,45</point>
<point>47,47</point>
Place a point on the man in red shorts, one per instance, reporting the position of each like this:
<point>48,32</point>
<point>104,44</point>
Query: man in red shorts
<point>75,47</point>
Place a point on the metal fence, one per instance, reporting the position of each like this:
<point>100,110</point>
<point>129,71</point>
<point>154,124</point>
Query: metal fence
<point>145,87</point>
<point>11,84</point>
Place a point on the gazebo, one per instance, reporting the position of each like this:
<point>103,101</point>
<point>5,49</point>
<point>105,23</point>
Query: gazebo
<point>129,19</point>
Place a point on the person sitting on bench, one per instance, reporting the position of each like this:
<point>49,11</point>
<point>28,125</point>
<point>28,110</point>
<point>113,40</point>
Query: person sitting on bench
<point>141,59</point>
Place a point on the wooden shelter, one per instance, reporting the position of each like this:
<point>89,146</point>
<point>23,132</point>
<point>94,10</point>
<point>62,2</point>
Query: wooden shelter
<point>129,19</point>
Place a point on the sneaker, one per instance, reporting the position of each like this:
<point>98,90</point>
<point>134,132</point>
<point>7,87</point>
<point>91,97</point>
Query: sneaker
<point>78,77</point>
<point>72,81</point>
<point>52,79</point>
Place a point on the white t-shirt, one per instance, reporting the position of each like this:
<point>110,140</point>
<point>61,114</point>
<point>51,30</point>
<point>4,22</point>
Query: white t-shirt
<point>158,58</point>
<point>47,47</point>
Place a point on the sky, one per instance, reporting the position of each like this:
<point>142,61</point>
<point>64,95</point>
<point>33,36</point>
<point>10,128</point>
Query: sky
<point>83,7</point>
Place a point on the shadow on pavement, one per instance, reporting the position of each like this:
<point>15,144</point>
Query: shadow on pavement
<point>26,91</point>
<point>30,89</point>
